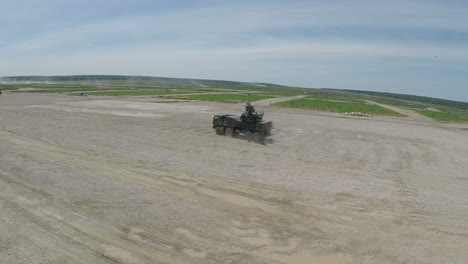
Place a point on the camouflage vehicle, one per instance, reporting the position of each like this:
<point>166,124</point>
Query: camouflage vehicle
<point>250,123</point>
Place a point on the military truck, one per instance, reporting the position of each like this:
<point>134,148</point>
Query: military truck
<point>250,123</point>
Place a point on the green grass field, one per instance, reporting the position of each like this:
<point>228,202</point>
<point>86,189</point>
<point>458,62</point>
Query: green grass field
<point>70,90</point>
<point>7,88</point>
<point>105,89</point>
<point>228,97</point>
<point>400,103</point>
<point>333,99</point>
<point>440,116</point>
<point>45,86</point>
<point>340,107</point>
<point>139,92</point>
<point>326,99</point>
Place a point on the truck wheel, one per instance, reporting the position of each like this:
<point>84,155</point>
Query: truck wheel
<point>219,130</point>
<point>228,132</point>
<point>248,135</point>
<point>257,137</point>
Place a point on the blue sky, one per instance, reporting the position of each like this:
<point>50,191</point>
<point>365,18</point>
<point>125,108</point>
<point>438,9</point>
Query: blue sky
<point>413,47</point>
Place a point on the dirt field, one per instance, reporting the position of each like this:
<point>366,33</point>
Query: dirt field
<point>131,180</point>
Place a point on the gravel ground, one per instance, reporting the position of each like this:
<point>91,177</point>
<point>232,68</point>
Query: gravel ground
<point>133,180</point>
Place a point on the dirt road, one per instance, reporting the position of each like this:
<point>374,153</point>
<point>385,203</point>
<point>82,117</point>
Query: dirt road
<point>112,180</point>
<point>271,101</point>
<point>409,113</point>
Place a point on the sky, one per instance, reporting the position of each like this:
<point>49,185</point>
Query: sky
<point>412,47</point>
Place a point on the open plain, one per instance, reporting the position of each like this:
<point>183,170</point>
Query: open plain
<point>143,180</point>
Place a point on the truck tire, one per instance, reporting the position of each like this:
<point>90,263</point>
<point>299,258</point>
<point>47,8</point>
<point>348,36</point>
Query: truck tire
<point>228,132</point>
<point>248,135</point>
<point>257,137</point>
<point>219,130</point>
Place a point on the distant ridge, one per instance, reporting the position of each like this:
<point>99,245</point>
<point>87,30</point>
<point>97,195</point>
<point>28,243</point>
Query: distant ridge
<point>205,83</point>
<point>131,79</point>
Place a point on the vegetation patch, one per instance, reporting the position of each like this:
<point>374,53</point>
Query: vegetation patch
<point>331,94</point>
<point>339,107</point>
<point>440,116</point>
<point>333,99</point>
<point>139,92</point>
<point>228,97</point>
<point>400,103</point>
<point>68,90</point>
<point>322,99</point>
<point>45,86</point>
<point>416,99</point>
